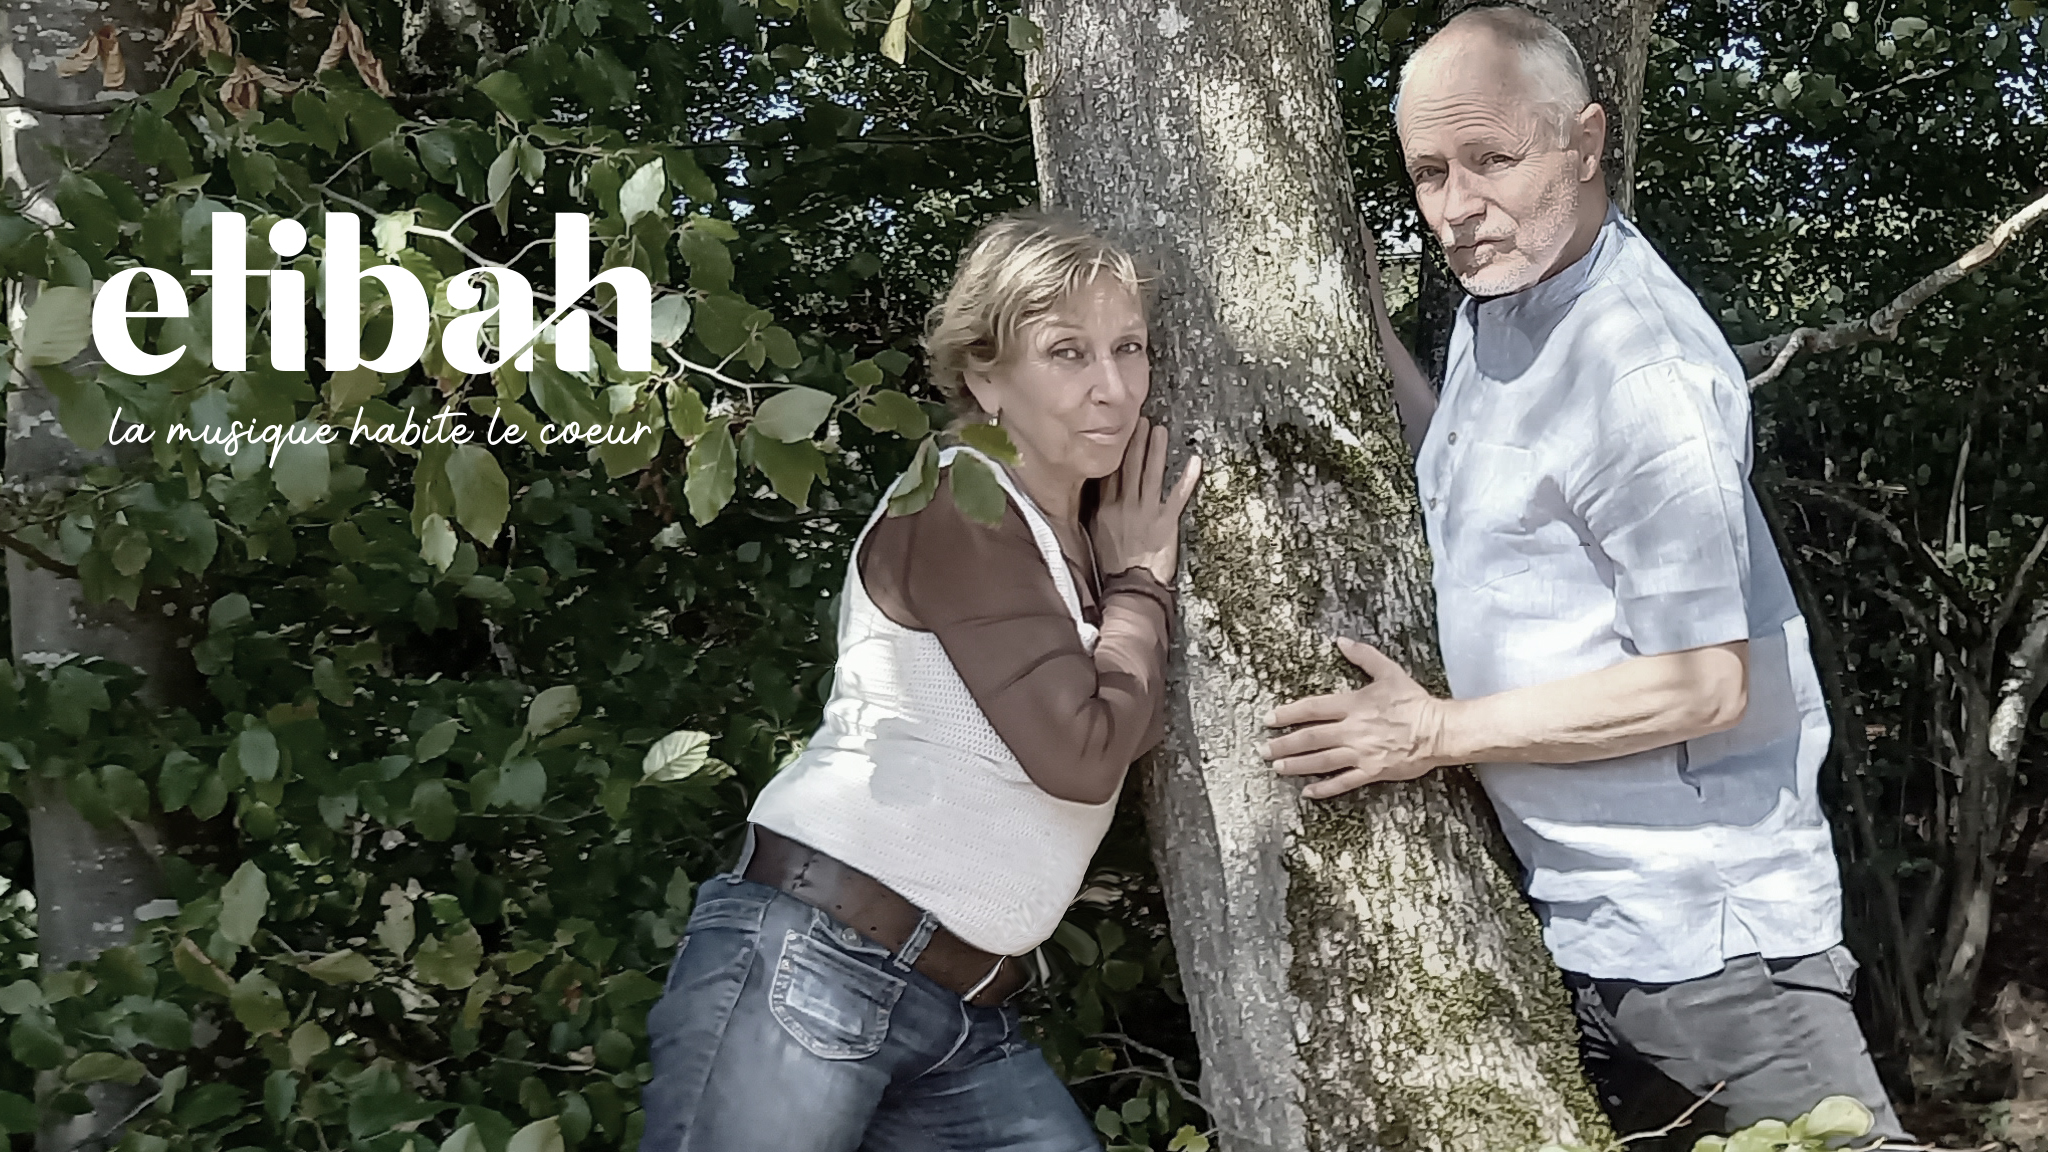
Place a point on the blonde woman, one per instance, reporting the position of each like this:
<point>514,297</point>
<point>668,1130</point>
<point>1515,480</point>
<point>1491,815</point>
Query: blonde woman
<point>844,989</point>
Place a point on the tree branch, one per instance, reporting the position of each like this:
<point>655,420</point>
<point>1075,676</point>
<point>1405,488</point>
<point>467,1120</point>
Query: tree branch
<point>9,98</point>
<point>1769,358</point>
<point>1907,539</point>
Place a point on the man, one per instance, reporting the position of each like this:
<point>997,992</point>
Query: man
<point>1629,669</point>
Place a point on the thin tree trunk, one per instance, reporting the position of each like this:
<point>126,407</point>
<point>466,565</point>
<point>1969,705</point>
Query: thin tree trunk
<point>1363,974</point>
<point>88,880</point>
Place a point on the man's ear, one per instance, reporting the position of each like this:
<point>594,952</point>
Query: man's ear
<point>1590,137</point>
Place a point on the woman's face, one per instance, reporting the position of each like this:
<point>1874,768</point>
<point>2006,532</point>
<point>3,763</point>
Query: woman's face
<point>1069,393</point>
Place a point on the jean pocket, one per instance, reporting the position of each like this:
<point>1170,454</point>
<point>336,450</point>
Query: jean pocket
<point>835,1006</point>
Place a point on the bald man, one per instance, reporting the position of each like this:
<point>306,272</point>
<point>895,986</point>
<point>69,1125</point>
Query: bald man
<point>1629,671</point>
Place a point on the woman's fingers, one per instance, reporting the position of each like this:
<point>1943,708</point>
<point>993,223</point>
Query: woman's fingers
<point>1134,458</point>
<point>1155,466</point>
<point>1184,490</point>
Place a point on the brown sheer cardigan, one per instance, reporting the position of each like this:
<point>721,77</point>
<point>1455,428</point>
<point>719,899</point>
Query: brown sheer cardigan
<point>1074,721</point>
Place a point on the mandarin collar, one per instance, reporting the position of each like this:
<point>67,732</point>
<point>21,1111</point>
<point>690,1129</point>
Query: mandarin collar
<point>1567,285</point>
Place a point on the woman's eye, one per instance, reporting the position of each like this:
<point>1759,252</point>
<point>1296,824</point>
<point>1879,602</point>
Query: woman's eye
<point>1130,348</point>
<point>1067,353</point>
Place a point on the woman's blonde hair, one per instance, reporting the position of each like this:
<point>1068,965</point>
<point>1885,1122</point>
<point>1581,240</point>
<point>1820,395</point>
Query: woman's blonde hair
<point>1018,268</point>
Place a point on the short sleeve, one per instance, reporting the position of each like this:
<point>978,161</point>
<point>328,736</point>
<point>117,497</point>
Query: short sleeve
<point>1662,490</point>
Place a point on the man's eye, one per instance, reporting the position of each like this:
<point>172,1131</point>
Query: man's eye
<point>1496,159</point>
<point>1425,175</point>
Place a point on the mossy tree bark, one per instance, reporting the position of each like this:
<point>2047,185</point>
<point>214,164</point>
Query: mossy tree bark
<point>1363,973</point>
<point>89,879</point>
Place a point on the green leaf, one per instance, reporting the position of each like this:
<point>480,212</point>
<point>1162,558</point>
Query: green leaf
<point>790,468</point>
<point>977,492</point>
<point>395,931</point>
<point>913,490</point>
<point>991,441</point>
<point>1188,1140</point>
<point>59,325</point>
<point>539,1136</point>
<point>347,966</point>
<point>1024,37</point>
<point>301,470</point>
<point>258,1004</point>
<point>498,181</point>
<point>82,407</point>
<point>95,1066</point>
<point>34,1041</point>
<point>17,1113</point>
<point>198,968</point>
<point>522,783</point>
<point>671,318</point>
<point>256,752</point>
<point>724,323</point>
<point>892,411</point>
<point>643,191</point>
<point>464,1139</point>
<point>21,996</point>
<point>896,38</point>
<point>713,471</point>
<point>1838,1116</point>
<point>793,413</point>
<point>864,374</point>
<point>390,230</point>
<point>508,92</point>
<point>432,810</point>
<point>782,349</point>
<point>437,741</point>
<point>1080,945</point>
<point>1108,1122</point>
<point>280,1092</point>
<point>685,410</point>
<point>675,756</point>
<point>829,29</point>
<point>451,963</point>
<point>437,541</point>
<point>243,900</point>
<point>482,494</point>
<point>552,708</point>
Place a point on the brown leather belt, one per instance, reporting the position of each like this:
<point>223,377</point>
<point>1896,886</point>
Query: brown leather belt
<point>877,912</point>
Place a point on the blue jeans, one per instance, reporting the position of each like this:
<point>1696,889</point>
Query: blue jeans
<point>781,1029</point>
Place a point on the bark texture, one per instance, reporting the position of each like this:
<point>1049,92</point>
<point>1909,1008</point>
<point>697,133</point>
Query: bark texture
<point>1363,973</point>
<point>89,880</point>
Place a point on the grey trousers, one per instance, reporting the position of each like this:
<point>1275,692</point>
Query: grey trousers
<point>1780,1032</point>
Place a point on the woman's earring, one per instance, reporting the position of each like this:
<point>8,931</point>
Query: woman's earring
<point>996,418</point>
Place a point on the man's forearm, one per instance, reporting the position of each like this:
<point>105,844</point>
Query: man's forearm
<point>1642,703</point>
<point>1414,399</point>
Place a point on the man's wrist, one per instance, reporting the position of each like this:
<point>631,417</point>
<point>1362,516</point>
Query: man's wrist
<point>1442,732</point>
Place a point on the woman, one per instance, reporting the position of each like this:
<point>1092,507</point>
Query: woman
<point>844,987</point>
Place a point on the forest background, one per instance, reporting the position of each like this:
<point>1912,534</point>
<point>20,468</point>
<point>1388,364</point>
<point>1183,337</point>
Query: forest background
<point>460,731</point>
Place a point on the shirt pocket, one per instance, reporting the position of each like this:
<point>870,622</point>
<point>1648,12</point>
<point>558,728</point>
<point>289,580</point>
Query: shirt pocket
<point>1493,488</point>
<point>833,1004</point>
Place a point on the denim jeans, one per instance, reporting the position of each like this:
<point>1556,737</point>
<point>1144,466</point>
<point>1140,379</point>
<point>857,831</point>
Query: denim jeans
<point>781,1029</point>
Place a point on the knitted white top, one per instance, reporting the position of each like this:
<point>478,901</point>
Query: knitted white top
<point>907,781</point>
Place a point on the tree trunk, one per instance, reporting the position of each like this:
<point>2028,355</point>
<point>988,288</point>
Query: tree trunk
<point>88,880</point>
<point>1363,974</point>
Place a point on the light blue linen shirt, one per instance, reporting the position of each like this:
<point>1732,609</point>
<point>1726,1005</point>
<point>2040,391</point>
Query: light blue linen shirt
<point>1585,490</point>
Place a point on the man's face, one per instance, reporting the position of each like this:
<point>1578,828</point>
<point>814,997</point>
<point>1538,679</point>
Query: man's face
<point>1497,188</point>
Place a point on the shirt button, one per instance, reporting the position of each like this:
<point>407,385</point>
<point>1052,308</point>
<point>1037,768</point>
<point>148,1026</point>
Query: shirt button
<point>1454,437</point>
<point>1432,502</point>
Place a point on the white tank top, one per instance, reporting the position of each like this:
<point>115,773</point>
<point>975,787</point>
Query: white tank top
<point>907,781</point>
